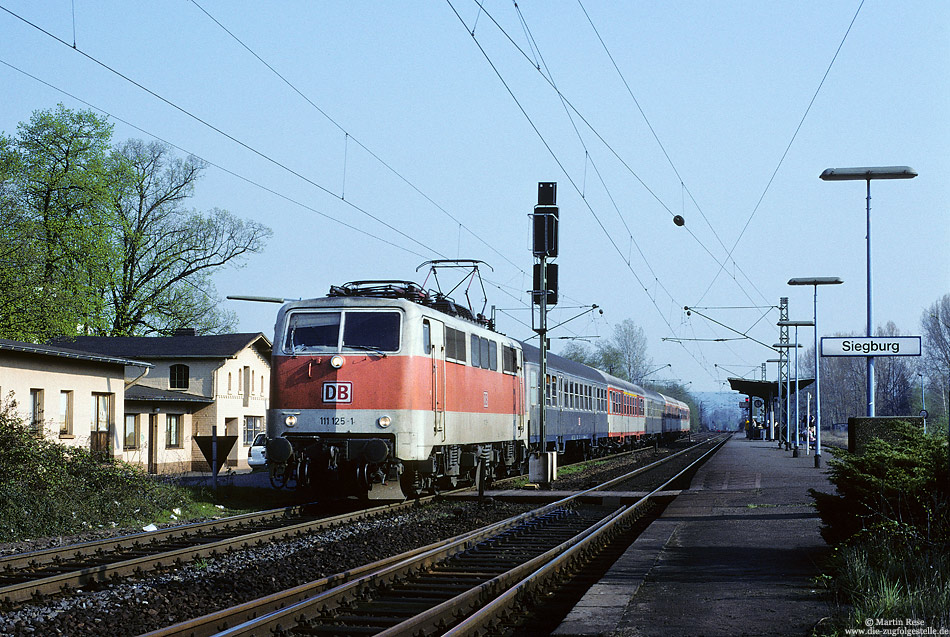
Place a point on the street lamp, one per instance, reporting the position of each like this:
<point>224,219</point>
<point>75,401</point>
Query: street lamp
<point>796,325</point>
<point>816,281</point>
<point>788,395</point>
<point>867,174</point>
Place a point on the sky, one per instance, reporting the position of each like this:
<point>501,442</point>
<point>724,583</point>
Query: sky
<point>372,137</point>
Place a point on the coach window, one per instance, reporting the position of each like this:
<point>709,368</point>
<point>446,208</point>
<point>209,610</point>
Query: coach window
<point>426,338</point>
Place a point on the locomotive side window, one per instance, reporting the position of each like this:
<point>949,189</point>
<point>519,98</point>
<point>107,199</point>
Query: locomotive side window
<point>476,352</point>
<point>426,338</point>
<point>493,356</point>
<point>509,359</point>
<point>312,331</point>
<point>455,344</point>
<point>373,330</point>
<point>483,356</point>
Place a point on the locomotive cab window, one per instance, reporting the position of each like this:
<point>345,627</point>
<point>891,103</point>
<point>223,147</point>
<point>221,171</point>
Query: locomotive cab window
<point>321,332</point>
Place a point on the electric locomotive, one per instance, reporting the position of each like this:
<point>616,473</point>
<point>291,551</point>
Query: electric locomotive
<point>383,383</point>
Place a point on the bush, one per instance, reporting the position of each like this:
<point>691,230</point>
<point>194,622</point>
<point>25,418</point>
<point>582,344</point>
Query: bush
<point>51,489</point>
<point>899,487</point>
<point>890,521</point>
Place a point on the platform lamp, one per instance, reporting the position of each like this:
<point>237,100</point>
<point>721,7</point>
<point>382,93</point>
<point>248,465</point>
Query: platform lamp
<point>788,397</point>
<point>867,174</point>
<point>816,281</point>
<point>796,325</point>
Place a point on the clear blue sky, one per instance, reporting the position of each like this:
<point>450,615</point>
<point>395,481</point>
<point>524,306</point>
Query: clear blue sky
<point>724,86</point>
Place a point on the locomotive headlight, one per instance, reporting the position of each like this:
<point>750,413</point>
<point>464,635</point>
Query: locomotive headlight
<point>384,421</point>
<point>336,362</point>
<point>290,420</point>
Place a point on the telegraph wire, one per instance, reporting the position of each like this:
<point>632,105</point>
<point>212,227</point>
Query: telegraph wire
<point>220,131</point>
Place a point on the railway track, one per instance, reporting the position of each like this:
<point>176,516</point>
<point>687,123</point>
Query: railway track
<point>427,591</point>
<point>27,576</point>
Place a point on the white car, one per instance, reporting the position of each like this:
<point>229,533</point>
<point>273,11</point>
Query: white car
<point>256,456</point>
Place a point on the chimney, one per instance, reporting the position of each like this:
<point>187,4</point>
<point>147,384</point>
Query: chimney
<point>184,331</point>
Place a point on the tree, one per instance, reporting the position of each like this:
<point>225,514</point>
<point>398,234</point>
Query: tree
<point>622,355</point>
<point>98,240</point>
<point>53,215</point>
<point>935,364</point>
<point>629,346</point>
<point>161,280</point>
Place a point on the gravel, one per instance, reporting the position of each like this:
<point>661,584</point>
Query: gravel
<point>138,605</point>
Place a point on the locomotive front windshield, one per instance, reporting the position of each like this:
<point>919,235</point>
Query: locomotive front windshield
<point>320,332</point>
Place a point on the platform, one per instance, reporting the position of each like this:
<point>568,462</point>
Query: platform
<point>735,554</point>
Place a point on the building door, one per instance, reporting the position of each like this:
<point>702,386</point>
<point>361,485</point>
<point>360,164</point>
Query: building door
<point>100,435</point>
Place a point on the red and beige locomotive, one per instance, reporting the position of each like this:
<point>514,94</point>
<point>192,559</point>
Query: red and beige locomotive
<point>383,383</point>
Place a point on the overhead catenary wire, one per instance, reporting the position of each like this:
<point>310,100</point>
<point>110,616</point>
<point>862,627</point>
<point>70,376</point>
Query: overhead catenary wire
<point>350,136</point>
<point>565,172</point>
<point>596,133</point>
<point>217,166</point>
<point>788,147</point>
<point>220,131</point>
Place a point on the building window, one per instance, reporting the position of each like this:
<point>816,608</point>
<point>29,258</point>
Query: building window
<point>101,412</point>
<point>173,430</point>
<point>253,425</point>
<point>229,382</point>
<point>65,413</point>
<point>240,383</point>
<point>130,438</point>
<point>36,410</point>
<point>178,377</point>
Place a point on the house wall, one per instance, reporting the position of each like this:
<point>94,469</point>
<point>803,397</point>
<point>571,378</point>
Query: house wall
<point>241,391</point>
<point>167,458</point>
<point>20,373</point>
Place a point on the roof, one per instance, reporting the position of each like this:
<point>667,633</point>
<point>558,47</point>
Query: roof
<point>211,346</point>
<point>152,394</point>
<point>65,352</point>
<point>765,389</point>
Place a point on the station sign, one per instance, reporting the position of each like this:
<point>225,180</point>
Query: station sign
<point>870,346</point>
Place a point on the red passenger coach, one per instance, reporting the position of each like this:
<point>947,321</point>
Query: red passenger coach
<point>382,383</point>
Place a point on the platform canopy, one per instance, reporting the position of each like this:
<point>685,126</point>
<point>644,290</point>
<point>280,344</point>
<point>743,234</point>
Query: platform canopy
<point>765,389</point>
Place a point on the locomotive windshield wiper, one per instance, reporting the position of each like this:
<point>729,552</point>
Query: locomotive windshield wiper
<point>367,348</point>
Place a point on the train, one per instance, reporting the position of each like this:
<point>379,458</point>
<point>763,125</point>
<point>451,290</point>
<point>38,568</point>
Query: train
<point>384,383</point>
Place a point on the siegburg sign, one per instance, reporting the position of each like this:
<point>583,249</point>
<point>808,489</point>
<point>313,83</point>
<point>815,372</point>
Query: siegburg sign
<point>870,346</point>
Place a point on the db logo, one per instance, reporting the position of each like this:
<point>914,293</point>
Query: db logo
<point>337,392</point>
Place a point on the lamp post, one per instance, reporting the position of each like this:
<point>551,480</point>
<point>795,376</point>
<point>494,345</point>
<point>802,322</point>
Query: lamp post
<point>867,174</point>
<point>796,325</point>
<point>816,281</point>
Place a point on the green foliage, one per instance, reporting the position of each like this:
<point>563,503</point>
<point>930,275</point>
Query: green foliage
<point>98,240</point>
<point>52,489</point>
<point>890,521</point>
<point>899,487</point>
